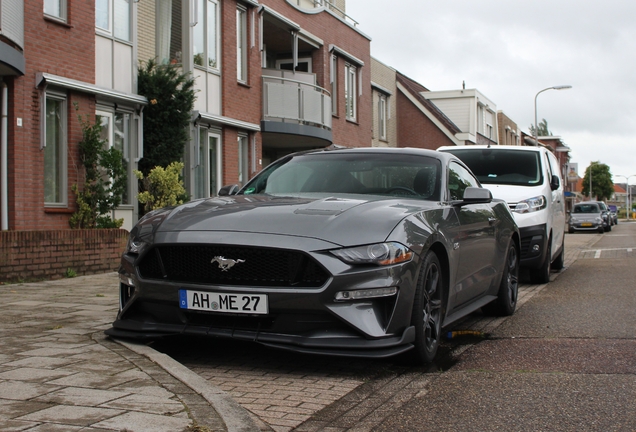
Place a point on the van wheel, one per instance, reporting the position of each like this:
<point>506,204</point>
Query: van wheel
<point>542,274</point>
<point>557,264</point>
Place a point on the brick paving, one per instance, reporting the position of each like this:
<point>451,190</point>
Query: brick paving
<point>288,391</point>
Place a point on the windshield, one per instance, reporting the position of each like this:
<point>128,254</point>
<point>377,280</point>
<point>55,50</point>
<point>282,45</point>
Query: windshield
<point>350,173</point>
<point>502,166</point>
<point>586,208</point>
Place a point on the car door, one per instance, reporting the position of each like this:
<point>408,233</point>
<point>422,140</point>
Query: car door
<point>475,238</point>
<point>557,205</point>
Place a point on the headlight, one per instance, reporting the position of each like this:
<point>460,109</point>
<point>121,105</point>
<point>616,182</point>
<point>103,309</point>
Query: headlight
<point>599,220</point>
<point>135,245</point>
<point>531,205</point>
<point>379,254</point>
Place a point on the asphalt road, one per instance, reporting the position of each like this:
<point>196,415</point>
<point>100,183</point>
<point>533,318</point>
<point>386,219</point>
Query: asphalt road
<point>566,361</point>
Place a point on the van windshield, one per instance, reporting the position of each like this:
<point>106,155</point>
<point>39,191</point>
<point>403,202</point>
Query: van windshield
<point>502,166</point>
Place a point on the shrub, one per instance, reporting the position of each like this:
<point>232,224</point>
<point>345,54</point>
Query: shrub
<point>162,187</point>
<point>104,179</point>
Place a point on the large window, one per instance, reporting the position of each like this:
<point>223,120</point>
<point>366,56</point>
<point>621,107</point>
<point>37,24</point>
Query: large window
<point>55,165</point>
<point>207,170</point>
<point>243,151</point>
<point>205,46</point>
<point>351,92</point>
<point>116,132</point>
<point>55,8</point>
<point>382,116</point>
<point>113,17</point>
<point>241,44</point>
<point>334,84</point>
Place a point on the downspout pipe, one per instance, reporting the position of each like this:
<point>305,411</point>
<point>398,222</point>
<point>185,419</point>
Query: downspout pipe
<point>4,157</point>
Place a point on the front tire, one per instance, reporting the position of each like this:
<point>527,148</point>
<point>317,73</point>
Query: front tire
<point>506,301</point>
<point>558,263</point>
<point>428,311</point>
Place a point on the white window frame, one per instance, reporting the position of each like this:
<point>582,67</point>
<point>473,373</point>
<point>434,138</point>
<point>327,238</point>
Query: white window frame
<point>351,92</point>
<point>382,116</point>
<point>334,84</point>
<point>61,173</point>
<point>202,19</point>
<point>241,44</point>
<point>244,158</point>
<point>112,8</point>
<point>56,9</point>
<point>202,162</point>
<point>110,142</point>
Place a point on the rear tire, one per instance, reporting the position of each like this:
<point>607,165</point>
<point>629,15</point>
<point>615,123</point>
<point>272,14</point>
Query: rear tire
<point>506,301</point>
<point>542,274</point>
<point>428,310</point>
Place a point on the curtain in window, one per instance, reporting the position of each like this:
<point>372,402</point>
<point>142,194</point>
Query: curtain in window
<point>164,23</point>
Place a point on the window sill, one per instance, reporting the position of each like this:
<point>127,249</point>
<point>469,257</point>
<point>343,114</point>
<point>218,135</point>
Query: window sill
<point>63,210</point>
<point>57,21</point>
<point>244,84</point>
<point>355,122</point>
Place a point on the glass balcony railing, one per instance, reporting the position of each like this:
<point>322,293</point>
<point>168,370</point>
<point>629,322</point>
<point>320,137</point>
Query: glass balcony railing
<point>296,100</point>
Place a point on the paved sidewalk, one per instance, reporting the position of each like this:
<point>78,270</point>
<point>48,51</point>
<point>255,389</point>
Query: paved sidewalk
<point>59,372</point>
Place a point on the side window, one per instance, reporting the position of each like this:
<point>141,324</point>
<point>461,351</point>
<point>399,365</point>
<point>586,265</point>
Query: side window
<point>548,167</point>
<point>55,9</point>
<point>55,151</point>
<point>459,178</point>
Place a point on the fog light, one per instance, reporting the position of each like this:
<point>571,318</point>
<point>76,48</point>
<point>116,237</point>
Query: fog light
<point>536,248</point>
<point>126,280</point>
<point>365,294</point>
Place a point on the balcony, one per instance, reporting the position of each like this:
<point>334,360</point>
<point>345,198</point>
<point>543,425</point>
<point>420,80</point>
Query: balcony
<point>295,110</point>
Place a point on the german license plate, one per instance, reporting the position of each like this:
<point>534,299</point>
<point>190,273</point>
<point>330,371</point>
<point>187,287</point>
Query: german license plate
<point>586,224</point>
<point>223,302</point>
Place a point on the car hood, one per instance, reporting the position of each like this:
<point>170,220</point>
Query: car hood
<point>340,220</point>
<point>585,216</point>
<point>512,193</point>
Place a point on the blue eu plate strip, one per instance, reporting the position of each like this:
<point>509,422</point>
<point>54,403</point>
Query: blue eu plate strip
<point>183,299</point>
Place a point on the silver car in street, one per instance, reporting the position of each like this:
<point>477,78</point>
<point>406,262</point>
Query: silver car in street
<point>587,216</point>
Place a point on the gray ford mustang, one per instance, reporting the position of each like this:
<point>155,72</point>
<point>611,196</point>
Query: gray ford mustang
<point>352,252</point>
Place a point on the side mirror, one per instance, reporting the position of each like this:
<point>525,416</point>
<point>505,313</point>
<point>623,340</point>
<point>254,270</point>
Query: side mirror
<point>477,195</point>
<point>229,190</point>
<point>554,182</point>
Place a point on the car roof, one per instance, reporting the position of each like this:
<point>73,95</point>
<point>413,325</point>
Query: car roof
<point>384,150</point>
<point>494,147</point>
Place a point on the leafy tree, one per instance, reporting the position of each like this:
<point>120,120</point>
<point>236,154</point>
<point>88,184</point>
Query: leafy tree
<point>542,129</point>
<point>167,116</point>
<point>104,179</point>
<point>602,184</point>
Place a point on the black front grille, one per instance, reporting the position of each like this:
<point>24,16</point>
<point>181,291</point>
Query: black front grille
<point>260,266</point>
<point>525,246</point>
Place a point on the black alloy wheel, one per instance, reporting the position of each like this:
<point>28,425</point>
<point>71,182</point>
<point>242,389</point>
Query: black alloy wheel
<point>428,310</point>
<point>506,301</point>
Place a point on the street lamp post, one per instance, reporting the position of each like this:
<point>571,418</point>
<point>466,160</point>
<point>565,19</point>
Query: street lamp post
<point>536,126</point>
<point>627,193</point>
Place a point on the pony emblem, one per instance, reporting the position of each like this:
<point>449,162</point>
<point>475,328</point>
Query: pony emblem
<point>225,263</point>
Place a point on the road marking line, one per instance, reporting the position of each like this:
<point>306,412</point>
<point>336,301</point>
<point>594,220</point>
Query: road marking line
<point>597,254</point>
<point>629,250</point>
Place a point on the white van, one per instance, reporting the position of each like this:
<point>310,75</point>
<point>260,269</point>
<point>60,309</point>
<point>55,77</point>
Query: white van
<point>528,178</point>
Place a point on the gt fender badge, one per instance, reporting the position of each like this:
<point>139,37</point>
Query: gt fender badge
<point>225,263</point>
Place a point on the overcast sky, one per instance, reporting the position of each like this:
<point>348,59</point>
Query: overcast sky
<point>509,50</point>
